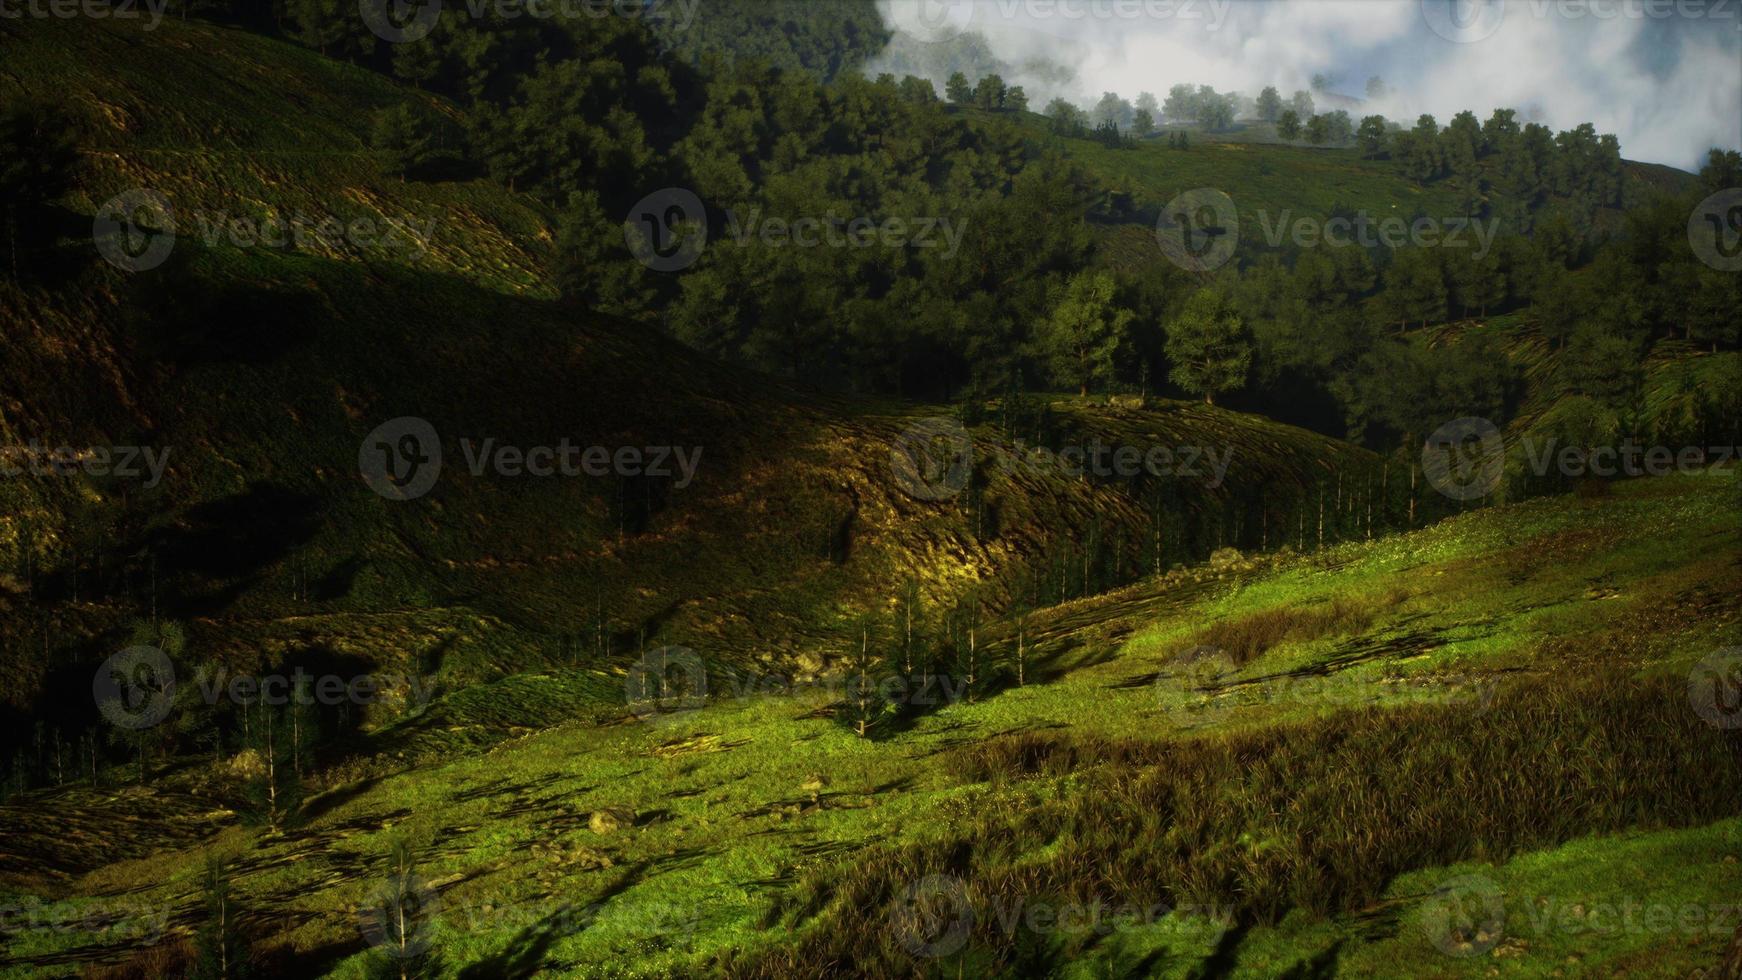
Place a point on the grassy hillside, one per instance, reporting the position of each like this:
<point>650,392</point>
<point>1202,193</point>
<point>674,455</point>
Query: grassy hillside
<point>1397,694</point>
<point>1229,697</point>
<point>262,370</point>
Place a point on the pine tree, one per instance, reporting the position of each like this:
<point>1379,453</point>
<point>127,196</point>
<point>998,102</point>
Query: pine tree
<point>1209,348</point>
<point>220,948</point>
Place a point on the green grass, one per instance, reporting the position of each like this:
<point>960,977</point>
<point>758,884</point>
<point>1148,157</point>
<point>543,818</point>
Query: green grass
<point>734,835</point>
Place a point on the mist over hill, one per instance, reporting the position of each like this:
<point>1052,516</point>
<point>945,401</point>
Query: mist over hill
<point>1666,78</point>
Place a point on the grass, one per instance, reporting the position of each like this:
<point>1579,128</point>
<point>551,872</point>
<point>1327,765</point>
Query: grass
<point>1296,794</point>
<point>1402,678</point>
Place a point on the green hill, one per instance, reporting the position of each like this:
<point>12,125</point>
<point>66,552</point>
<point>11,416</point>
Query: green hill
<point>262,370</point>
<point>1261,684</point>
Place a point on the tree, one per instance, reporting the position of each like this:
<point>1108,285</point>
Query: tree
<point>1339,128</point>
<point>866,666</point>
<point>957,89</point>
<point>1499,131</point>
<point>1181,104</point>
<point>1015,99</point>
<point>1420,150</point>
<point>220,948</point>
<point>1288,125</point>
<point>403,135</point>
<point>1723,168</point>
<point>1318,130</point>
<point>417,62</point>
<point>1083,333</point>
<point>1066,119</point>
<point>1602,367</point>
<point>1143,124</point>
<point>1461,141</point>
<point>1269,104</point>
<point>1561,305</point>
<point>37,162</point>
<point>1112,109</point>
<point>1302,104</point>
<point>1146,102</point>
<point>1477,282</point>
<point>1372,136</point>
<point>1415,286</point>
<point>1208,347</point>
<point>1216,112</point>
<point>919,91</point>
<point>989,94</point>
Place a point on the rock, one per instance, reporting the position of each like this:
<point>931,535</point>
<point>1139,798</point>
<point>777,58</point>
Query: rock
<point>610,820</point>
<point>1225,558</point>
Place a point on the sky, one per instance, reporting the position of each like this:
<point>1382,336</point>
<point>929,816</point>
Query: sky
<point>1665,76</point>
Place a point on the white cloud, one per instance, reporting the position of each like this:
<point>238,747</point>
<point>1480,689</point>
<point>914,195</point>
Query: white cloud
<point>1663,75</point>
